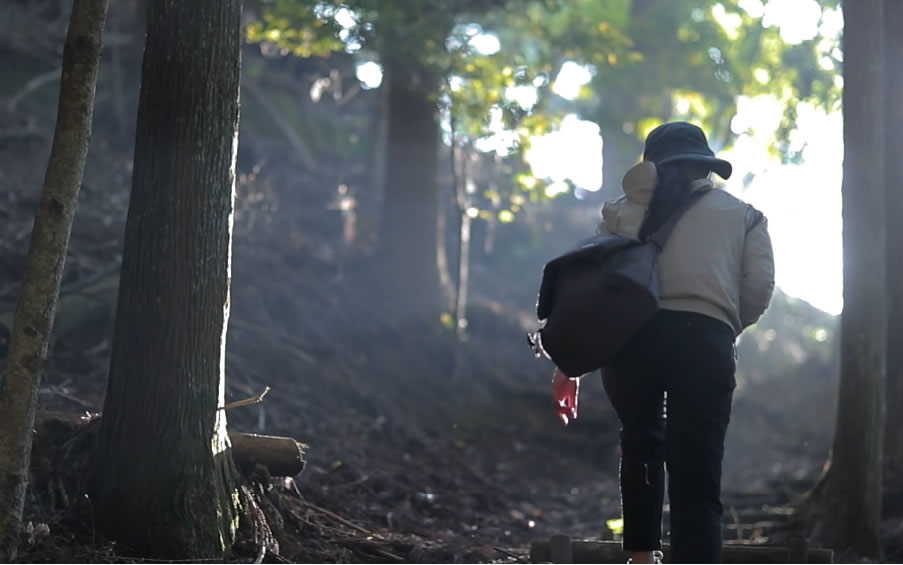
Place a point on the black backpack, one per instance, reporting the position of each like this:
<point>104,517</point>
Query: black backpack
<point>596,297</point>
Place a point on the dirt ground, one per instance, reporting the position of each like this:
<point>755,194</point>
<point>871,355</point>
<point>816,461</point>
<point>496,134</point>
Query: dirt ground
<point>407,460</point>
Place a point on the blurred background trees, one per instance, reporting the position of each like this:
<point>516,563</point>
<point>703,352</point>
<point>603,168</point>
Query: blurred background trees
<point>495,76</point>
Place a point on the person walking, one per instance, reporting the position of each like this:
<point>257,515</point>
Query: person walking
<point>717,278</point>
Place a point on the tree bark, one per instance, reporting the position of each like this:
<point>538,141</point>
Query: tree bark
<point>852,512</point>
<point>163,482</point>
<point>464,230</point>
<point>33,322</point>
<point>408,235</point>
<point>370,200</point>
<point>893,447</point>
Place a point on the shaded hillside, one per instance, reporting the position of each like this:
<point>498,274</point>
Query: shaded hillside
<point>793,338</point>
<point>783,420</point>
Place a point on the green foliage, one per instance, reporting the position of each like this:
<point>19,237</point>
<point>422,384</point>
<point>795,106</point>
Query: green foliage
<point>691,60</point>
<point>296,26</point>
<point>650,61</point>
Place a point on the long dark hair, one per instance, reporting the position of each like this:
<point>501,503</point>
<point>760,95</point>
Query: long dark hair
<point>675,183</point>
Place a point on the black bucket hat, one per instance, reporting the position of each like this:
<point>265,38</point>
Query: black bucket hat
<point>682,141</point>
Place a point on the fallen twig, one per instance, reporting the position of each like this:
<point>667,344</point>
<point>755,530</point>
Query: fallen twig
<point>261,553</point>
<point>21,133</point>
<point>341,520</point>
<point>248,401</point>
<point>57,391</point>
<point>510,554</point>
<point>366,547</point>
<point>32,85</point>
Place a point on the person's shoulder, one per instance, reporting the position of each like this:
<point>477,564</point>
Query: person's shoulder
<point>752,216</point>
<point>724,200</point>
<point>727,199</point>
<point>721,195</point>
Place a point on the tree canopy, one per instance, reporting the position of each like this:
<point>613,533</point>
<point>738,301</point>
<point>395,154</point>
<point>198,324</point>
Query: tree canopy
<point>512,69</point>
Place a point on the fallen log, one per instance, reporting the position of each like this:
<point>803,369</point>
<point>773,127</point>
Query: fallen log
<point>541,551</point>
<point>282,456</point>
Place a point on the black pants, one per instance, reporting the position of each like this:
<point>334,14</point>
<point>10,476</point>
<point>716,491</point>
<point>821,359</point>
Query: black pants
<point>689,357</point>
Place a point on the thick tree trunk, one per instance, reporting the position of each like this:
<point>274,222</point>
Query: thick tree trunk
<point>33,322</point>
<point>408,236</point>
<point>852,512</point>
<point>893,451</point>
<point>163,482</point>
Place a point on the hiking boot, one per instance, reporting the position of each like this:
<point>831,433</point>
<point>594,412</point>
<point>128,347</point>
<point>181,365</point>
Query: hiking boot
<point>657,557</point>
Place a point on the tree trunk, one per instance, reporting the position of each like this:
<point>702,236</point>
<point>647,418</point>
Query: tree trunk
<point>33,322</point>
<point>408,236</point>
<point>852,512</point>
<point>442,256</point>
<point>620,151</point>
<point>893,450</point>
<point>163,482</point>
<point>464,225</point>
<point>370,200</point>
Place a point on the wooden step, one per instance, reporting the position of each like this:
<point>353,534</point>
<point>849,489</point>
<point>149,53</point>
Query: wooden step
<point>561,549</point>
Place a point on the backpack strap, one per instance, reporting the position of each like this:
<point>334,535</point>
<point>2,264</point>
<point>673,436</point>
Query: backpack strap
<point>660,236</point>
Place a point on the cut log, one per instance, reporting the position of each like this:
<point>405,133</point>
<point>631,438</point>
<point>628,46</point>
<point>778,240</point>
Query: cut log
<point>282,456</point>
<point>611,552</point>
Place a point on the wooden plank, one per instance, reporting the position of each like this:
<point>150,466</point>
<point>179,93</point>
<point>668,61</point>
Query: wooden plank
<point>798,550</point>
<point>561,549</point>
<point>611,552</point>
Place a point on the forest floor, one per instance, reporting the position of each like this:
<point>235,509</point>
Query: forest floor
<point>415,454</point>
<point>409,461</point>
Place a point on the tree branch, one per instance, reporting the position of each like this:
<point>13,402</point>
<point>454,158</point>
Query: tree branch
<point>248,401</point>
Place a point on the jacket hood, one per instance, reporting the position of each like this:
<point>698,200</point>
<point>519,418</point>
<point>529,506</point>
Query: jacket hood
<point>638,185</point>
<point>640,181</point>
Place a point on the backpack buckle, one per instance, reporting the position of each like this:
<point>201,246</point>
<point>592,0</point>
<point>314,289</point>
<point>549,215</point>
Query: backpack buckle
<point>533,340</point>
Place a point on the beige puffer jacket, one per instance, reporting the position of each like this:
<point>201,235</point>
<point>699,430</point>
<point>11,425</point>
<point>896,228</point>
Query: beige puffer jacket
<point>718,260</point>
